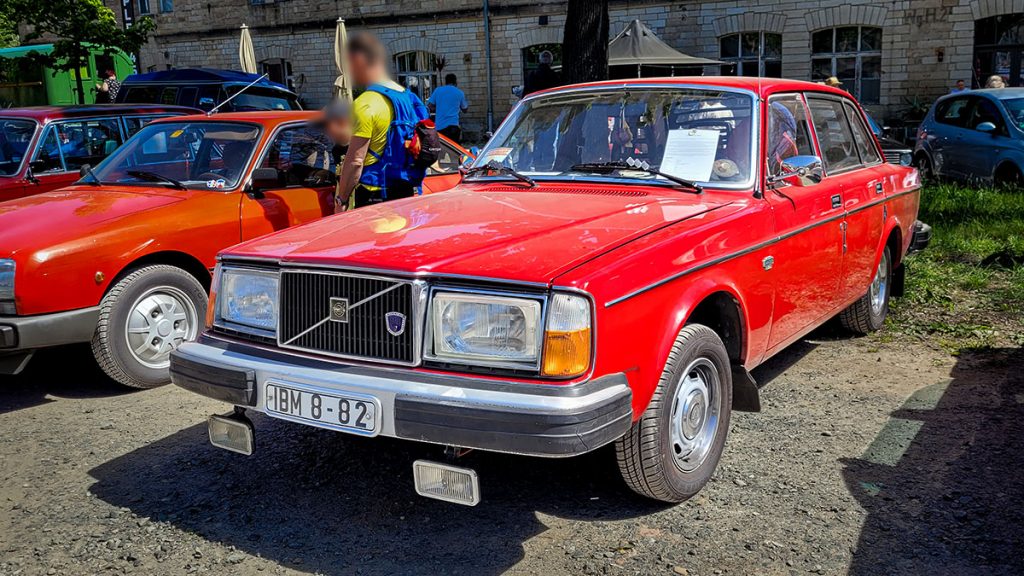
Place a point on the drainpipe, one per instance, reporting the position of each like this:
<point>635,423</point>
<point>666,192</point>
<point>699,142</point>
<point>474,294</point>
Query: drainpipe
<point>490,75</point>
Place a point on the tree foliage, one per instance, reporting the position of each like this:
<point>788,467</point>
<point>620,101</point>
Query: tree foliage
<point>585,42</point>
<point>8,30</point>
<point>75,27</point>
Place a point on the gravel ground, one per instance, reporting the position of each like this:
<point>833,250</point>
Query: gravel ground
<point>869,458</point>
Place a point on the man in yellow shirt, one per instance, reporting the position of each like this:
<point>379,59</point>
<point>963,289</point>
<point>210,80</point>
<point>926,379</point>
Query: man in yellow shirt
<point>372,116</point>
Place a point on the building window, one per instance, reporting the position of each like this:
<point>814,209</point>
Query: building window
<point>751,54</point>
<point>853,54</point>
<point>144,8</point>
<point>166,6</point>
<point>999,49</point>
<point>418,72</point>
<point>278,70</point>
<point>531,57</point>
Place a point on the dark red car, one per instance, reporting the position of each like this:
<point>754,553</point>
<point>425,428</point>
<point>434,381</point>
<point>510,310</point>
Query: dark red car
<point>617,260</point>
<point>42,148</point>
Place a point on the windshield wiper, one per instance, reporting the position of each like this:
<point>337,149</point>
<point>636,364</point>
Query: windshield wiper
<point>637,165</point>
<point>154,177</point>
<point>494,166</point>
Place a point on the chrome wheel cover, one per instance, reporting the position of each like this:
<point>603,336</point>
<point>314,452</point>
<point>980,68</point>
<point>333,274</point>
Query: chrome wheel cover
<point>695,414</point>
<point>879,285</point>
<point>159,321</point>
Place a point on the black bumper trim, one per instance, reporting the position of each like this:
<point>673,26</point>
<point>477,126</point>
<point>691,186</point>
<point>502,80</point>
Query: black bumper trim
<point>226,384</point>
<point>922,236</point>
<point>556,434</point>
<point>31,332</point>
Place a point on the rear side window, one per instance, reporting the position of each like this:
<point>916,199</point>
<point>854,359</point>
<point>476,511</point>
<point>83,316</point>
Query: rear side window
<point>142,95</point>
<point>838,149</point>
<point>187,97</point>
<point>862,136</point>
<point>789,133</point>
<point>952,111</point>
<point>169,96</point>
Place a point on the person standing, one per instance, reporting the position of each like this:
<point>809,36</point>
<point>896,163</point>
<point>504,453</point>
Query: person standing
<point>543,77</point>
<point>379,165</point>
<point>961,86</point>
<point>448,103</point>
<point>995,81</point>
<point>106,91</point>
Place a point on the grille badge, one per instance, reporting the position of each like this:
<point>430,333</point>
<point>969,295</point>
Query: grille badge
<point>395,323</point>
<point>339,310</point>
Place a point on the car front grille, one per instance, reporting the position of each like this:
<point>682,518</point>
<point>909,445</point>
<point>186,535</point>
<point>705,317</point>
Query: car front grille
<point>348,315</point>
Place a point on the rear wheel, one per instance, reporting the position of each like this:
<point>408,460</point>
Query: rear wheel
<point>672,451</point>
<point>1009,176</point>
<point>924,167</point>
<point>145,316</point>
<point>867,314</point>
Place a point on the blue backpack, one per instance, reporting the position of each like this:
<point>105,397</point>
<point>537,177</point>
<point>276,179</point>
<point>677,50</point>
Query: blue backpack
<point>412,143</point>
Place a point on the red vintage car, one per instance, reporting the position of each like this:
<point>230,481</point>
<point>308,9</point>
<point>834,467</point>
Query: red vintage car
<point>123,257</point>
<point>42,148</point>
<point>617,260</point>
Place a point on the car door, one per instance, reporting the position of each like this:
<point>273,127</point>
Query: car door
<point>981,150</point>
<point>301,154</point>
<point>444,174</point>
<point>806,263</point>
<point>944,134</point>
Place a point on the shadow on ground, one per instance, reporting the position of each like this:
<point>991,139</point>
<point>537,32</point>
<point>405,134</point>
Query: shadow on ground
<point>61,372</point>
<point>943,483</point>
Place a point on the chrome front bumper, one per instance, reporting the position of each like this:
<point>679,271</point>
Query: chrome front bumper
<point>465,411</point>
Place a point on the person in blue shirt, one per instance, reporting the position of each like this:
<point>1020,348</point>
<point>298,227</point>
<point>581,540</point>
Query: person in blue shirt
<point>448,103</point>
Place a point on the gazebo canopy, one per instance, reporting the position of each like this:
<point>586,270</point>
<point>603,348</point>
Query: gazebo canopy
<point>637,45</point>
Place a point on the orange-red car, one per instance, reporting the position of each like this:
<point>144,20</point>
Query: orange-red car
<point>122,258</point>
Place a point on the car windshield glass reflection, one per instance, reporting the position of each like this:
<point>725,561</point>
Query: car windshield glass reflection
<point>199,155</point>
<point>1015,110</point>
<point>15,136</point>
<point>695,134</point>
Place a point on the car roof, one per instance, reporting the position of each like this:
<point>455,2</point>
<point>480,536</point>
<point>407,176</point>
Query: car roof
<point>44,114</point>
<point>997,93</point>
<point>760,86</point>
<point>264,117</point>
<point>200,76</point>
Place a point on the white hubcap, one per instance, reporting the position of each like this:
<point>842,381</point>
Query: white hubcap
<point>159,322</point>
<point>879,285</point>
<point>695,414</point>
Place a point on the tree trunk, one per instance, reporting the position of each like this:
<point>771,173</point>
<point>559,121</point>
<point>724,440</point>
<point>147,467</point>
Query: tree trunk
<point>78,81</point>
<point>585,42</point>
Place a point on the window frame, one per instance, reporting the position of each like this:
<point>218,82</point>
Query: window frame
<point>812,134</point>
<point>147,11</point>
<point>856,116</point>
<point>433,74</point>
<point>858,54</point>
<point>809,97</point>
<point>52,127</point>
<point>739,60</point>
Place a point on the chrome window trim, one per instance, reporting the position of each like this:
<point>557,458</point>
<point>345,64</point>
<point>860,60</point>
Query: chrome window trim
<point>428,339</point>
<point>418,306</point>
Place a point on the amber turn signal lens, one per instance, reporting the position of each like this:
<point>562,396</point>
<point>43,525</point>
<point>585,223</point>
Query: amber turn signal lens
<point>566,353</point>
<point>211,304</point>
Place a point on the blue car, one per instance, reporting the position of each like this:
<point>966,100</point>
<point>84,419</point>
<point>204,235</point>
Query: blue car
<point>975,136</point>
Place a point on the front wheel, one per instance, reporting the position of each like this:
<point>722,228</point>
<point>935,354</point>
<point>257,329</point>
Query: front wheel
<point>867,314</point>
<point>145,316</point>
<point>672,451</point>
<point>924,167</point>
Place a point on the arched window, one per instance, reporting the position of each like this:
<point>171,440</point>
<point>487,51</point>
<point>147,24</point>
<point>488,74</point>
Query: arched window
<point>417,71</point>
<point>853,54</point>
<point>751,54</point>
<point>999,49</point>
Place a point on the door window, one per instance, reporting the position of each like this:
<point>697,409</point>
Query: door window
<point>985,110</point>
<point>788,131</point>
<point>300,153</point>
<point>87,141</point>
<point>863,138</point>
<point>835,138</point>
<point>448,162</point>
<point>49,154</point>
<point>951,111</point>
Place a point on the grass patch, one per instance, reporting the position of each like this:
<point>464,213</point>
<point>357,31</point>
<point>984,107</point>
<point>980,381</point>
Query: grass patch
<point>967,289</point>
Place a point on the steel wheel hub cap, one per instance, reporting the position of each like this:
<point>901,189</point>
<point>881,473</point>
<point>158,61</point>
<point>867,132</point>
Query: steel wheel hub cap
<point>879,285</point>
<point>160,320</point>
<point>695,414</point>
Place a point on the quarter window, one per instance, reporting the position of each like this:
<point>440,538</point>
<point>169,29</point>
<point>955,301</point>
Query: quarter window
<point>751,54</point>
<point>49,153</point>
<point>838,149</point>
<point>788,131</point>
<point>853,54</point>
<point>300,154</point>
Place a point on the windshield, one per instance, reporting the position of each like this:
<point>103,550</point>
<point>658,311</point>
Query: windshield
<point>203,155</point>
<point>1015,110</point>
<point>15,136</point>
<point>261,99</point>
<point>702,135</point>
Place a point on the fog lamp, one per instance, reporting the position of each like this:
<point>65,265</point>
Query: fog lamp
<point>234,433</point>
<point>444,482</point>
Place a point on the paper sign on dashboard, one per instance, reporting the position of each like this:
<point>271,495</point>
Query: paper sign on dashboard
<point>690,153</point>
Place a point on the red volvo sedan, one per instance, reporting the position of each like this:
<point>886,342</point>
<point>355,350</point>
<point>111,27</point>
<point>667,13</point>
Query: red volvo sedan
<point>617,260</point>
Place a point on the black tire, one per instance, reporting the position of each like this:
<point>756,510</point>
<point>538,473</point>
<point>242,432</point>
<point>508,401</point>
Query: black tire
<point>924,167</point>
<point>147,286</point>
<point>1008,177</point>
<point>862,317</point>
<point>647,454</point>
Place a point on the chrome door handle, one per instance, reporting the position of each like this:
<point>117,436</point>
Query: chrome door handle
<point>837,201</point>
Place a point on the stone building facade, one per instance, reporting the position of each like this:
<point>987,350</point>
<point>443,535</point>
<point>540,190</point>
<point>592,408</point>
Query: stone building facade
<point>888,53</point>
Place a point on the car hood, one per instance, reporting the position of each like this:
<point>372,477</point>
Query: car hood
<point>46,219</point>
<point>503,232</point>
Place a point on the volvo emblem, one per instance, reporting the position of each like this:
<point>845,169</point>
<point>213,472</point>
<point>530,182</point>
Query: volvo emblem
<point>339,310</point>
<point>395,322</point>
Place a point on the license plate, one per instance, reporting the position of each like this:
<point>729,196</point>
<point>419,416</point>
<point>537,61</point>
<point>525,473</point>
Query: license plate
<point>345,412</point>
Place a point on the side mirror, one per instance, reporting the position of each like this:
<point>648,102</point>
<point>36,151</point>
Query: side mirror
<point>266,179</point>
<point>206,104</point>
<point>986,127</point>
<point>84,170</point>
<point>474,151</point>
<point>800,171</point>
